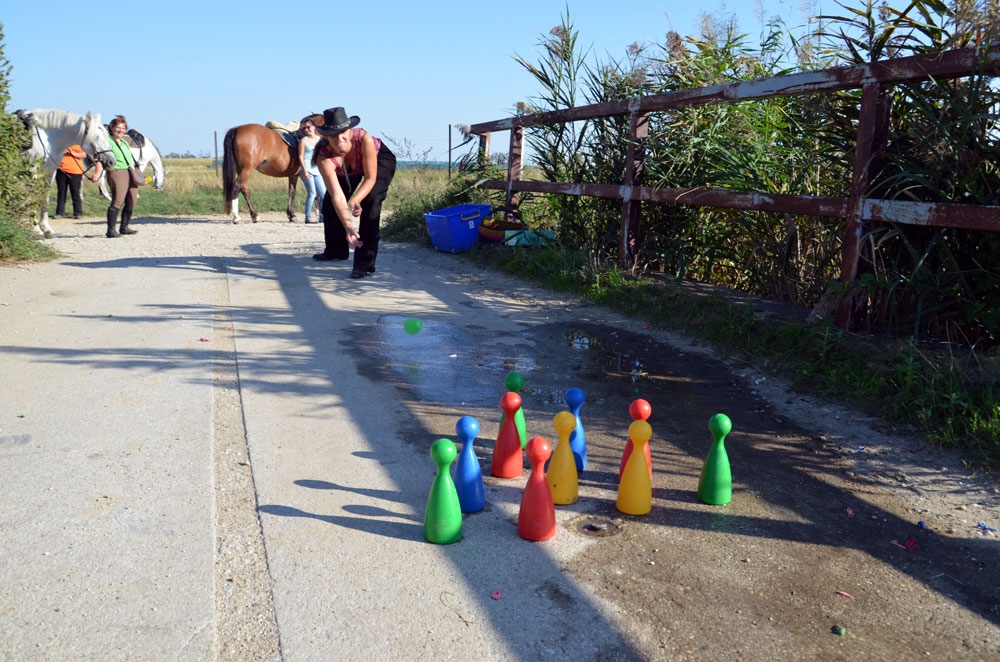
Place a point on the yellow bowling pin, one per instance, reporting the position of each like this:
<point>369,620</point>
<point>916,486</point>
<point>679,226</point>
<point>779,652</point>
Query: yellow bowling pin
<point>635,490</point>
<point>562,476</point>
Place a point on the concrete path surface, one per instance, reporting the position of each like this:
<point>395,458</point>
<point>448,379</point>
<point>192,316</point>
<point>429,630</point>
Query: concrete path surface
<point>113,544</point>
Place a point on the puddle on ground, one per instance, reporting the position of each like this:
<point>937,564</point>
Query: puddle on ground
<point>442,363</point>
<point>459,366</point>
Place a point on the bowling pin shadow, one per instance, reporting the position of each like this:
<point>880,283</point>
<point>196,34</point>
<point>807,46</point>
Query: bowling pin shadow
<point>671,494</point>
<point>379,527</point>
<point>384,495</point>
<point>375,511</point>
<point>601,479</point>
<point>608,480</point>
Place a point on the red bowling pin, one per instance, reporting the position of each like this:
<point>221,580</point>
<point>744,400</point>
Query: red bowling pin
<point>508,458</point>
<point>639,410</point>
<point>537,517</point>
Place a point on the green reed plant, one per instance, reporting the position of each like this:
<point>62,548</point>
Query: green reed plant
<point>941,149</point>
<point>931,282</point>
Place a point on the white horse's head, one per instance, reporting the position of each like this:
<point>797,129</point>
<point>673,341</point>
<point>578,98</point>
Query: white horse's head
<point>95,141</point>
<point>152,153</point>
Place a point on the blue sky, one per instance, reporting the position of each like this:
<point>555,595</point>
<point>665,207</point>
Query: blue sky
<point>181,71</point>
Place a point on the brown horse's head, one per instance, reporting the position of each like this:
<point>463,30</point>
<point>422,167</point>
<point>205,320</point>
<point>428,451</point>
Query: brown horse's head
<point>315,118</point>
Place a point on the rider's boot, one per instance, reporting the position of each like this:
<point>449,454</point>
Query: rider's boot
<point>126,217</point>
<point>112,220</point>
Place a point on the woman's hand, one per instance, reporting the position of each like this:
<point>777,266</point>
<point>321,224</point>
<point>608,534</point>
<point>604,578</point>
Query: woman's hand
<point>355,208</point>
<point>353,238</point>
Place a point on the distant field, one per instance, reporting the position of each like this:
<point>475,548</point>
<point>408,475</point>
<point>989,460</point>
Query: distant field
<point>194,186</point>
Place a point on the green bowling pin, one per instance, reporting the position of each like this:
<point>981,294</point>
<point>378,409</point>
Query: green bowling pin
<point>443,517</point>
<point>716,484</point>
<point>514,383</point>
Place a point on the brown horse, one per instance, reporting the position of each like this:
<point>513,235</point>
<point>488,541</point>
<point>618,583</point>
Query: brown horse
<point>250,147</point>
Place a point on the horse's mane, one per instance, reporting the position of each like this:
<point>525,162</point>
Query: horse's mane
<point>51,118</point>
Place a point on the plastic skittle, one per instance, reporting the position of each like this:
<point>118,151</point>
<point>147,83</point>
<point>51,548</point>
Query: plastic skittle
<point>443,516</point>
<point>562,476</point>
<point>468,472</point>
<point>537,518</point>
<point>639,410</point>
<point>716,484</point>
<point>635,490</point>
<point>578,440</point>
<point>514,383</point>
<point>508,458</point>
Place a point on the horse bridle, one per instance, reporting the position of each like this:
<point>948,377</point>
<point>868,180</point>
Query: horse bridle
<point>97,152</point>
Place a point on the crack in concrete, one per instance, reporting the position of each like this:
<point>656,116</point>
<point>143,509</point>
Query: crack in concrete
<point>246,627</point>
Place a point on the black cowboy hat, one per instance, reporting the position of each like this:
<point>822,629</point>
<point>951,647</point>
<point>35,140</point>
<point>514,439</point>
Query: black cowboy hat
<point>335,121</point>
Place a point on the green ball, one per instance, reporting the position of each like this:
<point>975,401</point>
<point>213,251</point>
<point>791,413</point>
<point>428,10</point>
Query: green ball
<point>413,325</point>
<point>514,382</point>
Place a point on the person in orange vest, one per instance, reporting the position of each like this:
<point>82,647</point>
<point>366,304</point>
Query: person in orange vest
<point>69,176</point>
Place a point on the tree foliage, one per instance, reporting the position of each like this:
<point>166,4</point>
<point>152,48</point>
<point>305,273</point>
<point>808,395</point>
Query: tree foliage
<point>21,189</point>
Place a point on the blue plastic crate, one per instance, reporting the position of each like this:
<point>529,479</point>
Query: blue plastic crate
<point>455,229</point>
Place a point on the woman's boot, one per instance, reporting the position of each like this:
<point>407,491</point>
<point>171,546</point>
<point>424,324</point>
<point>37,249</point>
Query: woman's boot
<point>126,217</point>
<point>112,220</point>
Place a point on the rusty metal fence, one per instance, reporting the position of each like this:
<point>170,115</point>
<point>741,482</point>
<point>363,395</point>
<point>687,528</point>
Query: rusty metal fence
<point>875,80</point>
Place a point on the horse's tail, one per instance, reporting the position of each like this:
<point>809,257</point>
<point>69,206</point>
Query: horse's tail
<point>229,167</point>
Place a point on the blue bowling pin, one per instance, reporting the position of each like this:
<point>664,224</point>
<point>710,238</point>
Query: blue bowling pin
<point>577,439</point>
<point>468,472</point>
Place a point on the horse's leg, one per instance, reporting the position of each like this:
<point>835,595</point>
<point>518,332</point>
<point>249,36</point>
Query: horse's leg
<point>292,181</point>
<point>244,180</point>
<point>42,227</point>
<point>234,210</point>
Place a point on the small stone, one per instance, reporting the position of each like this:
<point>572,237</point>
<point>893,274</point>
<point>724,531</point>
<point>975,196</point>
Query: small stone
<point>839,630</point>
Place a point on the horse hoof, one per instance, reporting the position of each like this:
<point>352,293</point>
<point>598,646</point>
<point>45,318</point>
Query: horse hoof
<point>49,234</point>
<point>237,222</point>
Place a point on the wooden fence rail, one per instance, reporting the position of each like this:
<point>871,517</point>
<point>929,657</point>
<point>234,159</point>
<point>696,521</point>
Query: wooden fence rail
<point>874,79</point>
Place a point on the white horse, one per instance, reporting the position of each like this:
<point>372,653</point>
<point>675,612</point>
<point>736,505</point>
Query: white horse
<point>52,132</point>
<point>145,153</point>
